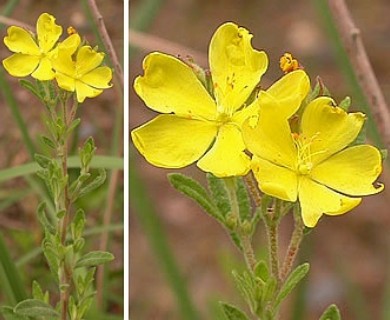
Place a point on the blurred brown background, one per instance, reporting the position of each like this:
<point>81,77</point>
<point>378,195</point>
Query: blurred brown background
<point>349,254</point>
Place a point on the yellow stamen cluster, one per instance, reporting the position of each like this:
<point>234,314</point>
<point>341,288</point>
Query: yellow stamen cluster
<point>288,63</point>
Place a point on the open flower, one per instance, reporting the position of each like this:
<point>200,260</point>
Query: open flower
<point>84,76</point>
<point>32,56</point>
<point>196,126</point>
<point>316,165</point>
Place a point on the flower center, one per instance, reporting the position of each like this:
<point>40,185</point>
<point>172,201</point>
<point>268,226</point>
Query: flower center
<point>304,163</point>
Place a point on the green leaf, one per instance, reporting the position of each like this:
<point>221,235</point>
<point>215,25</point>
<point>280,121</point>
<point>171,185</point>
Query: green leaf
<point>37,292</point>
<point>244,202</point>
<point>290,283</point>
<point>47,141</point>
<point>78,224</point>
<point>261,270</point>
<point>331,313</point>
<point>35,308</point>
<point>233,313</point>
<point>94,184</point>
<point>249,288</point>
<point>86,153</point>
<point>345,103</point>
<point>30,87</point>
<point>73,125</point>
<point>106,162</point>
<point>45,223</point>
<point>94,258</point>
<point>383,154</point>
<point>9,314</point>
<point>196,192</point>
<point>219,194</point>
<point>42,160</point>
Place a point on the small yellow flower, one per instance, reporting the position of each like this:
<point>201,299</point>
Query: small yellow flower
<point>32,56</point>
<point>317,165</point>
<point>196,126</point>
<point>288,64</point>
<point>84,76</point>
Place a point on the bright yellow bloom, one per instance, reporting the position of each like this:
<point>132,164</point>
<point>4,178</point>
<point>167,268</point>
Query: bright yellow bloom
<point>198,126</point>
<point>84,76</point>
<point>32,56</point>
<point>317,165</point>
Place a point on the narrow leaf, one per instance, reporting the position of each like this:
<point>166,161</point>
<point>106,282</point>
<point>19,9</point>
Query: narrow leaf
<point>244,203</point>
<point>345,103</point>
<point>219,194</point>
<point>35,308</point>
<point>233,313</point>
<point>331,313</point>
<point>30,87</point>
<point>45,223</point>
<point>94,258</point>
<point>261,270</point>
<point>196,192</point>
<point>47,141</point>
<point>94,184</point>
<point>292,280</point>
<point>9,314</point>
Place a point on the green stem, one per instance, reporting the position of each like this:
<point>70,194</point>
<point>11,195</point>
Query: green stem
<point>249,254</point>
<point>272,226</point>
<point>66,274</point>
<point>293,247</point>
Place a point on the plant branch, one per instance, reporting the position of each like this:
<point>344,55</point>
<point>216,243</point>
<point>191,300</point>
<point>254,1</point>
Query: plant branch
<point>107,42</point>
<point>293,247</point>
<point>352,40</point>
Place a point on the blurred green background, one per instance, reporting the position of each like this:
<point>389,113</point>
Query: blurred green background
<point>20,131</point>
<point>177,249</point>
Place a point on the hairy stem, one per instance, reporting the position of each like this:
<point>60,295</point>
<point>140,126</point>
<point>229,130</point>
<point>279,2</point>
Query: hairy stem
<point>66,274</point>
<point>293,247</point>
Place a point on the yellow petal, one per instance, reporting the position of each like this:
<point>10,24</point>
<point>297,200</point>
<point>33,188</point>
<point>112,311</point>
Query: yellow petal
<point>316,199</point>
<point>169,141</point>
<point>62,62</point>
<point>236,67</point>
<point>87,60</point>
<point>48,32</point>
<point>289,91</point>
<point>270,138</point>
<point>351,171</point>
<point>226,157</point>
<point>65,82</point>
<point>70,44</point>
<point>169,85</point>
<point>20,41</point>
<point>85,91</point>
<point>241,116</point>
<point>274,180</point>
<point>20,65</point>
<point>44,70</point>
<point>329,128</point>
<point>98,78</point>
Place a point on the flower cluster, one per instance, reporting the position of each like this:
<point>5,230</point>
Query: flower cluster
<point>232,127</point>
<point>74,65</point>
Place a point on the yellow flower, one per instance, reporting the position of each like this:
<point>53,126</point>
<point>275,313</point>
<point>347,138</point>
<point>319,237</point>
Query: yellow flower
<point>317,165</point>
<point>32,56</point>
<point>83,76</point>
<point>198,126</point>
